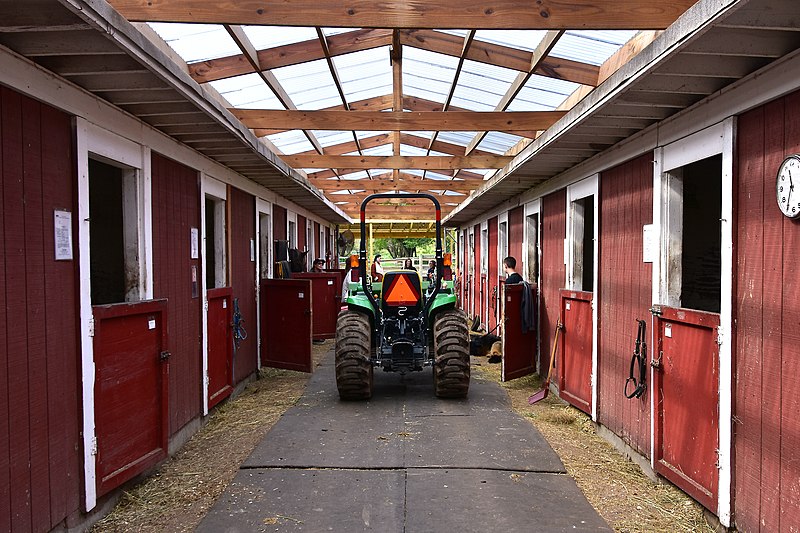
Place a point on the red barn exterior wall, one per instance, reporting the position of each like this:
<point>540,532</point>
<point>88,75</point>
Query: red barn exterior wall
<point>243,275</point>
<point>767,311</point>
<point>553,270</point>
<point>624,295</point>
<point>176,210</point>
<point>40,444</point>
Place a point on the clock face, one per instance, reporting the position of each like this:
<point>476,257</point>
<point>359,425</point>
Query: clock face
<point>787,187</point>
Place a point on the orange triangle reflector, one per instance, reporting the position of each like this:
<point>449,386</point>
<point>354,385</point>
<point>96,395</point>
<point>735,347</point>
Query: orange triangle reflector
<point>401,292</point>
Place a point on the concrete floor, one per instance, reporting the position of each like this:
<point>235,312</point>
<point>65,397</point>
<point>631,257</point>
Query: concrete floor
<point>403,462</point>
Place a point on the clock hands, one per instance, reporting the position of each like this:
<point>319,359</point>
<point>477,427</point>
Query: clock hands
<point>791,188</point>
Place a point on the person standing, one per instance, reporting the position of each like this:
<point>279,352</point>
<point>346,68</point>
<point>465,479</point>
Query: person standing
<point>318,264</point>
<point>377,270</point>
<point>431,270</point>
<point>510,268</point>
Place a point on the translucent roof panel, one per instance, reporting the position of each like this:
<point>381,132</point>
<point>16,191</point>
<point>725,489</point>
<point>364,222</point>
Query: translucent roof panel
<point>541,94</point>
<point>331,138</point>
<point>498,142</point>
<point>291,142</point>
<point>365,74</point>
<point>272,36</point>
<point>481,86</point>
<point>521,39</point>
<point>427,75</point>
<point>384,150</point>
<point>457,137</point>
<point>591,46</point>
<point>309,84</point>
<point>197,42</point>
<point>247,91</point>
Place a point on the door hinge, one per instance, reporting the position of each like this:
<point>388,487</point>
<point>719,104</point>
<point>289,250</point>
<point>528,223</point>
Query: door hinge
<point>205,306</point>
<point>720,335</point>
<point>163,356</point>
<point>93,450</point>
<point>656,310</point>
<point>91,326</point>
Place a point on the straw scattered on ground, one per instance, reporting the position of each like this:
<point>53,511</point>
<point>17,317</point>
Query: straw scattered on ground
<point>623,495</point>
<point>182,490</point>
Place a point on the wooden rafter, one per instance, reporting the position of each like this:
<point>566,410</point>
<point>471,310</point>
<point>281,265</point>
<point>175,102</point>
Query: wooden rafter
<point>397,162</point>
<point>464,14</point>
<point>397,91</point>
<point>290,54</point>
<point>398,121</point>
<point>465,175</point>
<point>387,184</point>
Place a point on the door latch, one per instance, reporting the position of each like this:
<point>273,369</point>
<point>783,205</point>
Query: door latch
<point>163,356</point>
<point>656,310</point>
<point>656,363</point>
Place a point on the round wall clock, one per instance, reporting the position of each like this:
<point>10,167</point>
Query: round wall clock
<point>787,186</point>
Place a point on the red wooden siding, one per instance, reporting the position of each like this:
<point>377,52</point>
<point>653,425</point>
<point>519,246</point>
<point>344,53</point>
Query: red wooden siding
<point>278,223</point>
<point>493,282</point>
<point>554,216</point>
<point>624,295</point>
<point>243,276</point>
<point>575,349</point>
<point>40,447</point>
<point>220,345</point>
<point>476,275</point>
<point>176,210</point>
<point>767,307</point>
<point>515,236</point>
<point>301,233</point>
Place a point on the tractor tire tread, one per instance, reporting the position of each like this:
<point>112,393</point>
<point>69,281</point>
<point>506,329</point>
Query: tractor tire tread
<point>352,356</point>
<point>451,370</point>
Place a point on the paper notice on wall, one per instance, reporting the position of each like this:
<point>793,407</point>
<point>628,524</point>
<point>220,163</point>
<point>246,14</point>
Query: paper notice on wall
<point>63,235</point>
<point>649,250</point>
<point>252,250</point>
<point>194,246</point>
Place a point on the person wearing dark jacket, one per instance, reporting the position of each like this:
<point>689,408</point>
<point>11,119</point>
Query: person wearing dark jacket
<point>527,308</point>
<point>510,266</point>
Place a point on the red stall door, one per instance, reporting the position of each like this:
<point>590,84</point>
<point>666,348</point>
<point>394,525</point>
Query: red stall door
<point>687,406</point>
<point>220,345</point>
<point>286,319</point>
<point>326,289</point>
<point>493,303</point>
<point>575,377</point>
<point>131,390</point>
<point>519,347</point>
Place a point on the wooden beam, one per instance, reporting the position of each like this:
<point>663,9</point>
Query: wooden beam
<point>348,147</point>
<point>398,162</point>
<point>397,121</point>
<point>501,56</point>
<point>464,14</point>
<point>397,91</point>
<point>290,54</point>
<point>387,185</point>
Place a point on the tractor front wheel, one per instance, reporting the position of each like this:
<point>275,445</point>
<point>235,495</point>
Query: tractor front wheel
<point>451,363</point>
<point>353,366</point>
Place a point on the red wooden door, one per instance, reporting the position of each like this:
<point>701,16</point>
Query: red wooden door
<point>687,404</point>
<point>476,273</point>
<point>286,319</point>
<point>519,348</point>
<point>326,288</point>
<point>131,390</point>
<point>220,345</point>
<point>575,377</point>
<point>493,286</point>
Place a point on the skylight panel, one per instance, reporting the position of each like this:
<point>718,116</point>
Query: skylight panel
<point>592,47</point>
<point>247,91</point>
<point>457,137</point>
<point>291,142</point>
<point>310,85</point>
<point>498,142</point>
<point>481,86</point>
<point>272,36</point>
<point>197,42</point>
<point>520,39</point>
<point>542,93</point>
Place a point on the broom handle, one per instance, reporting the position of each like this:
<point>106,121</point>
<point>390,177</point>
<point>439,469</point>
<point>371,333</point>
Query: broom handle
<point>553,356</point>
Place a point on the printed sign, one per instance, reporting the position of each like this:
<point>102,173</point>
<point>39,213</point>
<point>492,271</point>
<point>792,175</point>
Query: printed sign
<point>62,221</point>
<point>194,245</point>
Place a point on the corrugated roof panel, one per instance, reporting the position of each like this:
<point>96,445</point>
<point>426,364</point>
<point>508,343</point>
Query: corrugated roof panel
<point>522,39</point>
<point>272,36</point>
<point>591,46</point>
<point>330,138</point>
<point>427,74</point>
<point>309,84</point>
<point>365,74</point>
<point>384,150</point>
<point>481,86</point>
<point>247,91</point>
<point>197,42</point>
<point>541,93</point>
<point>291,142</point>
<point>498,142</point>
<point>457,137</point>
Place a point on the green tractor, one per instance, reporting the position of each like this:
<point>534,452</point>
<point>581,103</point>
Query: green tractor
<point>402,324</point>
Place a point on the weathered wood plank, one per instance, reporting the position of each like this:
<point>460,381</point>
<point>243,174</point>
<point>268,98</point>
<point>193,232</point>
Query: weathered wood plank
<point>398,121</point>
<point>396,161</point>
<point>469,14</point>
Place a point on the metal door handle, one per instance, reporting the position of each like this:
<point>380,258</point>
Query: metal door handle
<point>163,356</point>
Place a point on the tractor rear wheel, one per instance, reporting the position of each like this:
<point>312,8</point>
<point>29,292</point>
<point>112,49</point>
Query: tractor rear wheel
<point>353,366</point>
<point>451,346</point>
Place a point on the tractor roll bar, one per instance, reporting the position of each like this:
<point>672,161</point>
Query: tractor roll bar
<point>362,252</point>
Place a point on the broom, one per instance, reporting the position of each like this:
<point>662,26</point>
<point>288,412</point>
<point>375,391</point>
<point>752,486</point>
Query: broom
<point>542,394</point>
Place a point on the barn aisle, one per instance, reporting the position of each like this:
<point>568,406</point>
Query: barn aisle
<point>403,461</point>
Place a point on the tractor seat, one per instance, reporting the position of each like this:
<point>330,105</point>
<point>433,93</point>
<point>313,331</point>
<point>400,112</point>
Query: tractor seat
<point>402,288</point>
